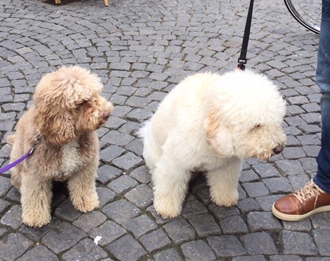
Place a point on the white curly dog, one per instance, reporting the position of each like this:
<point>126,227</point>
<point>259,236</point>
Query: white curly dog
<point>211,123</point>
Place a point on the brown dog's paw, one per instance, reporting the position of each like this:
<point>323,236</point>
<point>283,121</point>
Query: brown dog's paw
<point>36,220</point>
<point>86,204</point>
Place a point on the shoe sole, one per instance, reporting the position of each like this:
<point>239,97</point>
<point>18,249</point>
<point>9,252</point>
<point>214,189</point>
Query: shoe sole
<point>288,217</point>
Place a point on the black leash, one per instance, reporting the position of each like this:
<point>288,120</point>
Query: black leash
<point>242,59</point>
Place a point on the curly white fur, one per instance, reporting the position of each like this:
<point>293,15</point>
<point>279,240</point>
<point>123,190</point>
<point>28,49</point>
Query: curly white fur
<point>210,122</point>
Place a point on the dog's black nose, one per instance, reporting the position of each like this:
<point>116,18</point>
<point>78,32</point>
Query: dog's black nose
<point>278,149</point>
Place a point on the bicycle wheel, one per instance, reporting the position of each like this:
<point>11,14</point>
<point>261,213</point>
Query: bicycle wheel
<point>306,12</point>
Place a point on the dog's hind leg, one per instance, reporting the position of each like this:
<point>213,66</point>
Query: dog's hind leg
<point>170,187</point>
<point>223,183</point>
<point>36,199</point>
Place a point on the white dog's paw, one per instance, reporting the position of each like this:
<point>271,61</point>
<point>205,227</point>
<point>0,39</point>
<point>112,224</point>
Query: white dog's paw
<point>86,203</point>
<point>225,200</point>
<point>167,208</point>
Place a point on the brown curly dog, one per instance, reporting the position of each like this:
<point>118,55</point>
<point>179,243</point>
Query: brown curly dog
<point>67,110</point>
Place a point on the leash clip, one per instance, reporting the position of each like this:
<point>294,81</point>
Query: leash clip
<point>241,64</point>
<point>35,144</point>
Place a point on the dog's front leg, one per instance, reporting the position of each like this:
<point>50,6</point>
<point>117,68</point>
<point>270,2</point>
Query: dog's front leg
<point>170,187</point>
<point>82,189</point>
<point>223,183</point>
<point>36,196</point>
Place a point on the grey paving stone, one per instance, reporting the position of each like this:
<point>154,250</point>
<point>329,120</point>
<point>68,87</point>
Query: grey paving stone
<point>223,212</point>
<point>62,237</point>
<point>140,225</point>
<point>310,128</point>
<point>13,195</point>
<point>309,140</point>
<point>141,174</point>
<point>285,258</point>
<point>248,176</point>
<point>249,258</point>
<point>40,252</point>
<point>267,202</point>
<point>13,246</point>
<point>299,181</point>
<point>260,221</point>
<point>293,153</point>
<point>168,255</point>
<point>248,205</point>
<point>260,243</point>
<point>321,236</point>
<point>36,234</point>
<point>66,211</point>
<point>302,225</point>
<point>122,184</point>
<point>119,248</point>
<point>233,225</point>
<point>105,195</point>
<point>197,250</point>
<point>118,139</point>
<point>141,196</point>
<point>136,146</point>
<point>90,220</point>
<point>203,193</point>
<point>85,250</point>
<point>317,259</point>
<point>139,115</point>
<point>129,127</point>
<point>193,207</point>
<point>265,170</point>
<point>108,231</point>
<point>204,224</point>
<point>312,151</point>
<point>226,246</point>
<point>155,240</point>
<point>4,185</point>
<point>320,220</point>
<point>110,153</point>
<point>2,231</point>
<point>297,243</point>
<point>127,161</point>
<point>290,167</point>
<point>278,185</point>
<point>12,218</point>
<point>255,189</point>
<point>121,211</point>
<point>179,230</point>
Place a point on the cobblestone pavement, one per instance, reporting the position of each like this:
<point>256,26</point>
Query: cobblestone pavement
<point>141,49</point>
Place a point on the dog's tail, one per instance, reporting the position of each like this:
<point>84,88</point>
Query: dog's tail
<point>11,140</point>
<point>144,130</point>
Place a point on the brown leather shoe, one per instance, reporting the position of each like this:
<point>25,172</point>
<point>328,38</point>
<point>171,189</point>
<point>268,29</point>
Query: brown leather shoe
<point>302,204</point>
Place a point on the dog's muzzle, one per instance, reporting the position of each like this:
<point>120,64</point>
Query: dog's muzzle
<point>278,149</point>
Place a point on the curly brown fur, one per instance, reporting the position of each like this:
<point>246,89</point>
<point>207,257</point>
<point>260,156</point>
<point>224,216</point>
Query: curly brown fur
<point>68,108</point>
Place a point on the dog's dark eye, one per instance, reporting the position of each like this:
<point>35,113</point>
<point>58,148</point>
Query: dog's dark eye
<point>256,127</point>
<point>83,102</point>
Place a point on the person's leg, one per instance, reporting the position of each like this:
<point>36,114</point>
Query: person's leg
<point>315,196</point>
<point>322,178</point>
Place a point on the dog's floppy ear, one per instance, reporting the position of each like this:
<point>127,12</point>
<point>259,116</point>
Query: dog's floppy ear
<point>218,134</point>
<point>55,113</point>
